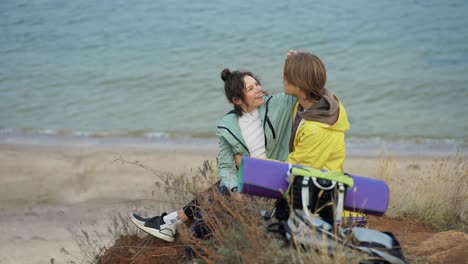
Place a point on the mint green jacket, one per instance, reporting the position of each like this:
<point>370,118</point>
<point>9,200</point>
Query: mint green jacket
<point>276,118</point>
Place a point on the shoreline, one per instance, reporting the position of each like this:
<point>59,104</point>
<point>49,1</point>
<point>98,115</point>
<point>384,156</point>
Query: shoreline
<point>368,147</point>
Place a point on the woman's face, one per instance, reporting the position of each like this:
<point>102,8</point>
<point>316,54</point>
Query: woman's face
<point>253,94</point>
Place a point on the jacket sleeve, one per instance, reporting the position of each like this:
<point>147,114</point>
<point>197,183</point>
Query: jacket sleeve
<point>309,149</point>
<point>226,165</point>
<point>286,101</point>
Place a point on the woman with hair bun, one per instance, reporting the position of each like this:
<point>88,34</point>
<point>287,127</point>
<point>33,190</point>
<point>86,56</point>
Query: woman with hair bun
<point>258,126</point>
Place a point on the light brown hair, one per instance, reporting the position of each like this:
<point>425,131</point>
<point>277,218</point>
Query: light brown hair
<point>307,72</point>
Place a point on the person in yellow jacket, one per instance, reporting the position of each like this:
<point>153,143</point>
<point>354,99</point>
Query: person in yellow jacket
<point>319,119</point>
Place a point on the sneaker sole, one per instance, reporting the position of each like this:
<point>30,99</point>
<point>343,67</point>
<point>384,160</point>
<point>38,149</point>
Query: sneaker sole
<point>136,220</point>
<point>152,231</point>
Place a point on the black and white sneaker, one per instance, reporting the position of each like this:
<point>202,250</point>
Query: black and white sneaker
<point>156,226</point>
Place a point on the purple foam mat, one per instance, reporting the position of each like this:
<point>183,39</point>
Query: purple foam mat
<point>369,196</point>
<point>268,178</point>
<point>265,178</point>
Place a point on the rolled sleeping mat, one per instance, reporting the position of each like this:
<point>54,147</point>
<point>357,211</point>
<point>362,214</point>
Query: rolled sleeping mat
<point>368,196</point>
<point>270,178</point>
<point>264,178</point>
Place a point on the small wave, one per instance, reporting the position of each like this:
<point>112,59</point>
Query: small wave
<point>6,130</point>
<point>47,132</point>
<point>81,134</point>
<point>156,135</point>
<point>420,146</point>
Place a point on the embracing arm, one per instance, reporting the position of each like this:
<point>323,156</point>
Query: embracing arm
<point>286,102</point>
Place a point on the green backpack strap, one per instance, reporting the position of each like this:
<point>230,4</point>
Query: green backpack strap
<point>328,175</point>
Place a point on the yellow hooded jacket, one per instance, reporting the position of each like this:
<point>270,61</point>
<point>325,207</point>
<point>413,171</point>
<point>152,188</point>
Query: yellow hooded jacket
<point>320,145</point>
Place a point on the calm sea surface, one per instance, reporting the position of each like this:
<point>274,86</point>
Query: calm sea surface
<point>150,69</point>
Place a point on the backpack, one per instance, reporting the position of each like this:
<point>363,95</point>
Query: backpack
<point>314,221</point>
<point>318,198</point>
<point>310,232</point>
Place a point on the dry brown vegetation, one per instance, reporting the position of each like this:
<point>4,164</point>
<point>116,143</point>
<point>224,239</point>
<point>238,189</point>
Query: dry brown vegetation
<point>437,195</point>
<point>422,202</point>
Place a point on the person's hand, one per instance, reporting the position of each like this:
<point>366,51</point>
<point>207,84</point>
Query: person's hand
<point>237,159</point>
<point>291,52</point>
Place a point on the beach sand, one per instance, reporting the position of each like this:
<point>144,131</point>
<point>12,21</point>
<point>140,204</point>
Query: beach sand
<point>45,190</point>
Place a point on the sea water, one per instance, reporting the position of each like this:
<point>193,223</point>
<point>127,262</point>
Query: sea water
<point>149,71</point>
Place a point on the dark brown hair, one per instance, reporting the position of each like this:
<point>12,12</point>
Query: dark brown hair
<point>307,72</point>
<point>234,86</point>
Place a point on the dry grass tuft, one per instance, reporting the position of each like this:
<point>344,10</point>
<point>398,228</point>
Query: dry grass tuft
<point>437,195</point>
<point>170,193</point>
<point>239,235</point>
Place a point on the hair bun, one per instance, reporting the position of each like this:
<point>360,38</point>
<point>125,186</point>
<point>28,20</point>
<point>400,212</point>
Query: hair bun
<point>225,74</point>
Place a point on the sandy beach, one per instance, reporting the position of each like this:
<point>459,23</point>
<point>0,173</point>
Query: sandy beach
<point>46,189</point>
<point>43,190</point>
